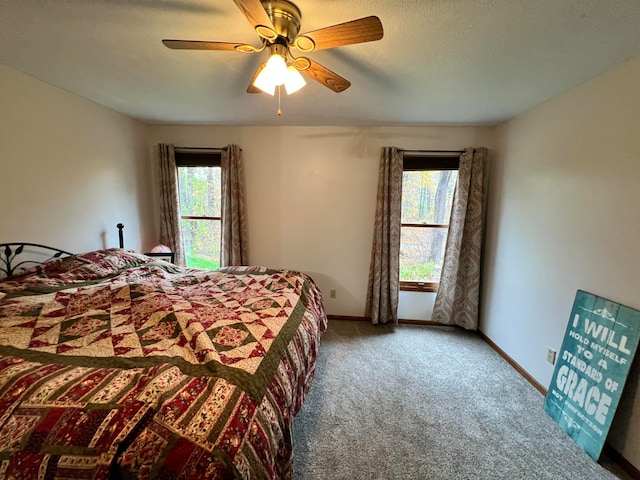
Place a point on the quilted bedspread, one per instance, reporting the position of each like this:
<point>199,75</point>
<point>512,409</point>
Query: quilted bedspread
<point>113,365</point>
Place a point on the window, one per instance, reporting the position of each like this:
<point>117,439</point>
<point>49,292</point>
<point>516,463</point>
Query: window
<point>200,185</point>
<point>428,184</point>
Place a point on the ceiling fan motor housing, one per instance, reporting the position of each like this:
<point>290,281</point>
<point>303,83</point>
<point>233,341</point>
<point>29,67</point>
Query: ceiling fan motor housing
<point>285,17</point>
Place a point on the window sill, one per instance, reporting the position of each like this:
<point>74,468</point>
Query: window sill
<point>418,286</point>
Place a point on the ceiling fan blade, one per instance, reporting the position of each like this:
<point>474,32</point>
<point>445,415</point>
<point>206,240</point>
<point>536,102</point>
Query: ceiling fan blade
<point>367,29</point>
<point>258,18</point>
<point>199,45</point>
<point>251,88</point>
<point>323,75</point>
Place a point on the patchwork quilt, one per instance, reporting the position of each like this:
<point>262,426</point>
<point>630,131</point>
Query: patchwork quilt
<point>114,365</point>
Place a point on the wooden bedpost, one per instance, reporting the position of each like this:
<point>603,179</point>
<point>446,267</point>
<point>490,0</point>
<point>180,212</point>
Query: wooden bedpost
<point>120,237</point>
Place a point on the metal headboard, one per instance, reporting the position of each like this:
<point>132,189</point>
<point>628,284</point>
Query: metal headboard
<point>12,254</point>
<point>19,256</point>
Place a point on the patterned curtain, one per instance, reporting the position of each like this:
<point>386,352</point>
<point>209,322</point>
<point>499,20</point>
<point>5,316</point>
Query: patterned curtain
<point>384,272</point>
<point>234,221</point>
<point>170,232</point>
<point>458,298</point>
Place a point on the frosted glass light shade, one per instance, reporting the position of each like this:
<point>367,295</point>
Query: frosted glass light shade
<point>294,81</point>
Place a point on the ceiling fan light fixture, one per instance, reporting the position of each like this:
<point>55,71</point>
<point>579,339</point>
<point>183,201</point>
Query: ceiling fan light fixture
<point>273,74</point>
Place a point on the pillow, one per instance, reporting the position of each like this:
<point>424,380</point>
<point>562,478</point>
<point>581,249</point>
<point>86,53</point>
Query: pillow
<point>74,269</point>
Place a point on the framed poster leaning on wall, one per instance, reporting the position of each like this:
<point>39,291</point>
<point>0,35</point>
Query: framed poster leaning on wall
<point>597,351</point>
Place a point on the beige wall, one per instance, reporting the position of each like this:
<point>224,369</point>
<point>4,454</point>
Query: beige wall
<point>311,194</point>
<point>70,169</point>
<point>563,216</point>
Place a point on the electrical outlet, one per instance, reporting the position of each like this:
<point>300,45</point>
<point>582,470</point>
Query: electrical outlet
<point>332,293</point>
<point>551,356</point>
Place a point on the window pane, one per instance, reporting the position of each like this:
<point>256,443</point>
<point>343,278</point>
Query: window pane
<point>201,240</point>
<point>427,196</point>
<point>421,253</point>
<point>200,191</point>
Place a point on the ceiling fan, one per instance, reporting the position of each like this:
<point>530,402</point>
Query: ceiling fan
<point>277,22</point>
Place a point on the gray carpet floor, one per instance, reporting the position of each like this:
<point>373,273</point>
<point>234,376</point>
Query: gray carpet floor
<point>424,402</point>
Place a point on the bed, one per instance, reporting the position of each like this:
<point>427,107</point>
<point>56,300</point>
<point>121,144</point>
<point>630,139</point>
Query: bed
<point>114,364</point>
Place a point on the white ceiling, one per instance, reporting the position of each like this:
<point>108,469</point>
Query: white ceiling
<point>440,61</point>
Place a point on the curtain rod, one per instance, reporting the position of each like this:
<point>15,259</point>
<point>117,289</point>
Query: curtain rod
<point>456,152</point>
<point>208,149</point>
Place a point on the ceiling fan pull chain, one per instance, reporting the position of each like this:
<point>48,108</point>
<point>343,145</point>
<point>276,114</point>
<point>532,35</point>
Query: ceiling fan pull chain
<point>279,111</point>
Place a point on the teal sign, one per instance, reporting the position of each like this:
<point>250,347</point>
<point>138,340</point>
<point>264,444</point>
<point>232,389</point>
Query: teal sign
<point>592,368</point>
